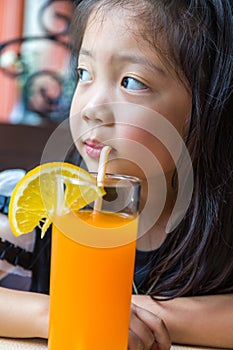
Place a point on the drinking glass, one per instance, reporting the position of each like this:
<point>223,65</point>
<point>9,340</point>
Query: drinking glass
<point>92,267</point>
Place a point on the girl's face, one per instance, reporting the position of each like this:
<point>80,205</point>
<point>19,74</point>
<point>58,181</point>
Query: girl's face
<point>124,98</point>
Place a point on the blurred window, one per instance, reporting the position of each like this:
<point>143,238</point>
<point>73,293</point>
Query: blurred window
<point>39,64</point>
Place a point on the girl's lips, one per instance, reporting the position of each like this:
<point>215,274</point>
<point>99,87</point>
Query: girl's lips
<point>93,148</point>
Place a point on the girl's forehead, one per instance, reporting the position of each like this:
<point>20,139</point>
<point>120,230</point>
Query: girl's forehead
<point>114,18</point>
<point>114,28</point>
<point>118,24</point>
<point>120,29</point>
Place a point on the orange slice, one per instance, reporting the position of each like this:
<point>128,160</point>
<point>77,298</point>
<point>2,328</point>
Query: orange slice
<point>37,196</point>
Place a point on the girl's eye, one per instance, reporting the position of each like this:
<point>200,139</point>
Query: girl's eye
<point>83,75</point>
<point>132,84</point>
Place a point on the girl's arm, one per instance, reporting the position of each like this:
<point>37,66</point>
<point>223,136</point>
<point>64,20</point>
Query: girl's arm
<point>23,314</point>
<point>205,320</point>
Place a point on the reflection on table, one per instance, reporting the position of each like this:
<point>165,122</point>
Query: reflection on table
<point>41,344</point>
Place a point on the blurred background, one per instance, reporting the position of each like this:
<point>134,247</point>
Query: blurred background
<point>37,76</point>
<point>36,82</point>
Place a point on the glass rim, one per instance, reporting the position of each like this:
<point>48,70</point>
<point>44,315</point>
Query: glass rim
<point>132,179</point>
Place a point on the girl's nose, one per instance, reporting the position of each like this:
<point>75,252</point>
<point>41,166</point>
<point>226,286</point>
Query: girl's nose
<point>99,109</point>
<point>98,114</point>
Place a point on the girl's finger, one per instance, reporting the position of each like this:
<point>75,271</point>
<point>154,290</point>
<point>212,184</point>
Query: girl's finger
<point>141,330</point>
<point>157,326</point>
<point>135,343</point>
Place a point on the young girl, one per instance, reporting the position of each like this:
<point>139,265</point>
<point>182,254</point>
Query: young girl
<point>142,64</point>
<point>154,75</point>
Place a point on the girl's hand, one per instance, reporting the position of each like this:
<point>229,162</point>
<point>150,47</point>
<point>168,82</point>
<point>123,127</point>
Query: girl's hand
<point>147,331</point>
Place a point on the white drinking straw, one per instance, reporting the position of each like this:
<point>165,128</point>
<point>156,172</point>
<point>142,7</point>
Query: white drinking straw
<point>101,174</point>
<point>60,196</point>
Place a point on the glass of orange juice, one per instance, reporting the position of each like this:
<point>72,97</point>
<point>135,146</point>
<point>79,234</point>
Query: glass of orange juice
<point>92,266</point>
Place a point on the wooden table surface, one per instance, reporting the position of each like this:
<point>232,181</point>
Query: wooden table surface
<point>41,344</point>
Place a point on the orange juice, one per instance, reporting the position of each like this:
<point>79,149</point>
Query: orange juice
<point>91,283</point>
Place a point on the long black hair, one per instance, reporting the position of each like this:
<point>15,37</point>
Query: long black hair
<point>197,257</point>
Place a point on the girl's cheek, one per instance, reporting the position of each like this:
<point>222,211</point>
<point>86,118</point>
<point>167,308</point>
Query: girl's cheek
<point>146,150</point>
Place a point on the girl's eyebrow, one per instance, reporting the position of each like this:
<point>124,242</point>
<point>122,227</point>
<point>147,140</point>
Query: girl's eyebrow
<point>130,58</point>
